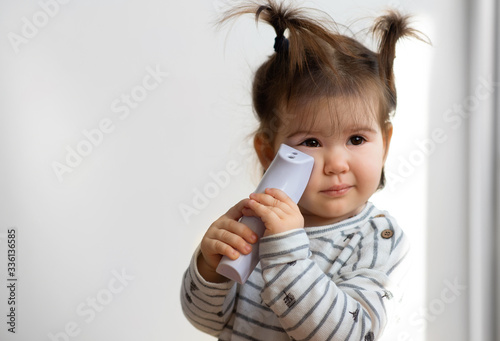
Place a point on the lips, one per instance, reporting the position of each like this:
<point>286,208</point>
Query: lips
<point>337,190</point>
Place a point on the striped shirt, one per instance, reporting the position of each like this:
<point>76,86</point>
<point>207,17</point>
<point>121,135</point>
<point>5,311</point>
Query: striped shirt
<point>333,282</point>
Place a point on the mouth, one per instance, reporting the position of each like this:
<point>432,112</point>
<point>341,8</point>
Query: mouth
<point>337,191</point>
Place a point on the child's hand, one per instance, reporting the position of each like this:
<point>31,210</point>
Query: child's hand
<point>276,210</point>
<point>225,237</point>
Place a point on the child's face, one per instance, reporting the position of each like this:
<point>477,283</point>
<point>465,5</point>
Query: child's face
<point>349,152</point>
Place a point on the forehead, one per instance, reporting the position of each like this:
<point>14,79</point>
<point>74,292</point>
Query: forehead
<point>331,115</point>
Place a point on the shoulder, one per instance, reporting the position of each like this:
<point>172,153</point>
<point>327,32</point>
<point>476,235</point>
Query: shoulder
<point>382,225</point>
<point>383,241</point>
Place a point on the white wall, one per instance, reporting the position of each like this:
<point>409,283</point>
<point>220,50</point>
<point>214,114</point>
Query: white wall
<point>116,209</point>
<point>447,248</point>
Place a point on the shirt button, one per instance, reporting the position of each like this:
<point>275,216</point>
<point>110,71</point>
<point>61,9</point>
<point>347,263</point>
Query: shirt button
<point>386,234</point>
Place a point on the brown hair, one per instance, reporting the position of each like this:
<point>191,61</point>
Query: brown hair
<point>316,61</point>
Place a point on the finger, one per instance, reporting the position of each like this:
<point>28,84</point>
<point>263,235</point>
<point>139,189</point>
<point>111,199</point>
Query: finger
<point>234,233</point>
<point>214,249</point>
<point>239,228</point>
<point>248,212</point>
<point>235,212</point>
<point>266,213</point>
<point>225,249</point>
<point>234,241</point>
<point>287,204</point>
<point>280,195</point>
<point>273,203</point>
<point>266,199</point>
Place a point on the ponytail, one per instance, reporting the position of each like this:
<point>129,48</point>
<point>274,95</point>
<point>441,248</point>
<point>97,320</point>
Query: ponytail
<point>307,39</point>
<point>389,29</point>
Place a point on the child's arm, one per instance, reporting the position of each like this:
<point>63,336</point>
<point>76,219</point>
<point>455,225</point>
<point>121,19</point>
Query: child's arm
<point>208,306</point>
<point>351,301</point>
<point>207,298</point>
<point>354,300</point>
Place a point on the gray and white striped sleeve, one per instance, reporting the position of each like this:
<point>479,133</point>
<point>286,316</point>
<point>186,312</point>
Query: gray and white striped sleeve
<point>350,304</point>
<point>208,306</point>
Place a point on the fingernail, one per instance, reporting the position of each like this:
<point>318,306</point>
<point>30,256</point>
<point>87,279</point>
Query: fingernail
<point>248,248</point>
<point>253,238</point>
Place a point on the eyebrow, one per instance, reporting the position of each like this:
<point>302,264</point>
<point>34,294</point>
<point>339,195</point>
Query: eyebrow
<point>301,132</point>
<point>349,130</point>
<point>361,128</point>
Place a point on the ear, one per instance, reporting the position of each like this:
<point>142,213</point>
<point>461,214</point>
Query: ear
<point>387,139</point>
<point>264,149</point>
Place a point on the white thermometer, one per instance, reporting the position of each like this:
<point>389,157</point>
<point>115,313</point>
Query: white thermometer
<point>289,171</point>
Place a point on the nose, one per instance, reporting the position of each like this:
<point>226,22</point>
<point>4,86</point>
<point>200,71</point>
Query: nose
<point>336,161</point>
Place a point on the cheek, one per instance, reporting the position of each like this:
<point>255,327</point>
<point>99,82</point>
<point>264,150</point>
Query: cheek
<point>369,170</point>
<point>314,182</point>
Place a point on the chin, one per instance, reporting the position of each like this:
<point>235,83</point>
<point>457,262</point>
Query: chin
<point>336,210</point>
<point>324,215</point>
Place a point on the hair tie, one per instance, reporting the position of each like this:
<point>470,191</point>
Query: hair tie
<point>281,44</point>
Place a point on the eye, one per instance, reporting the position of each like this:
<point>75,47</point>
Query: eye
<point>356,140</point>
<point>313,143</point>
